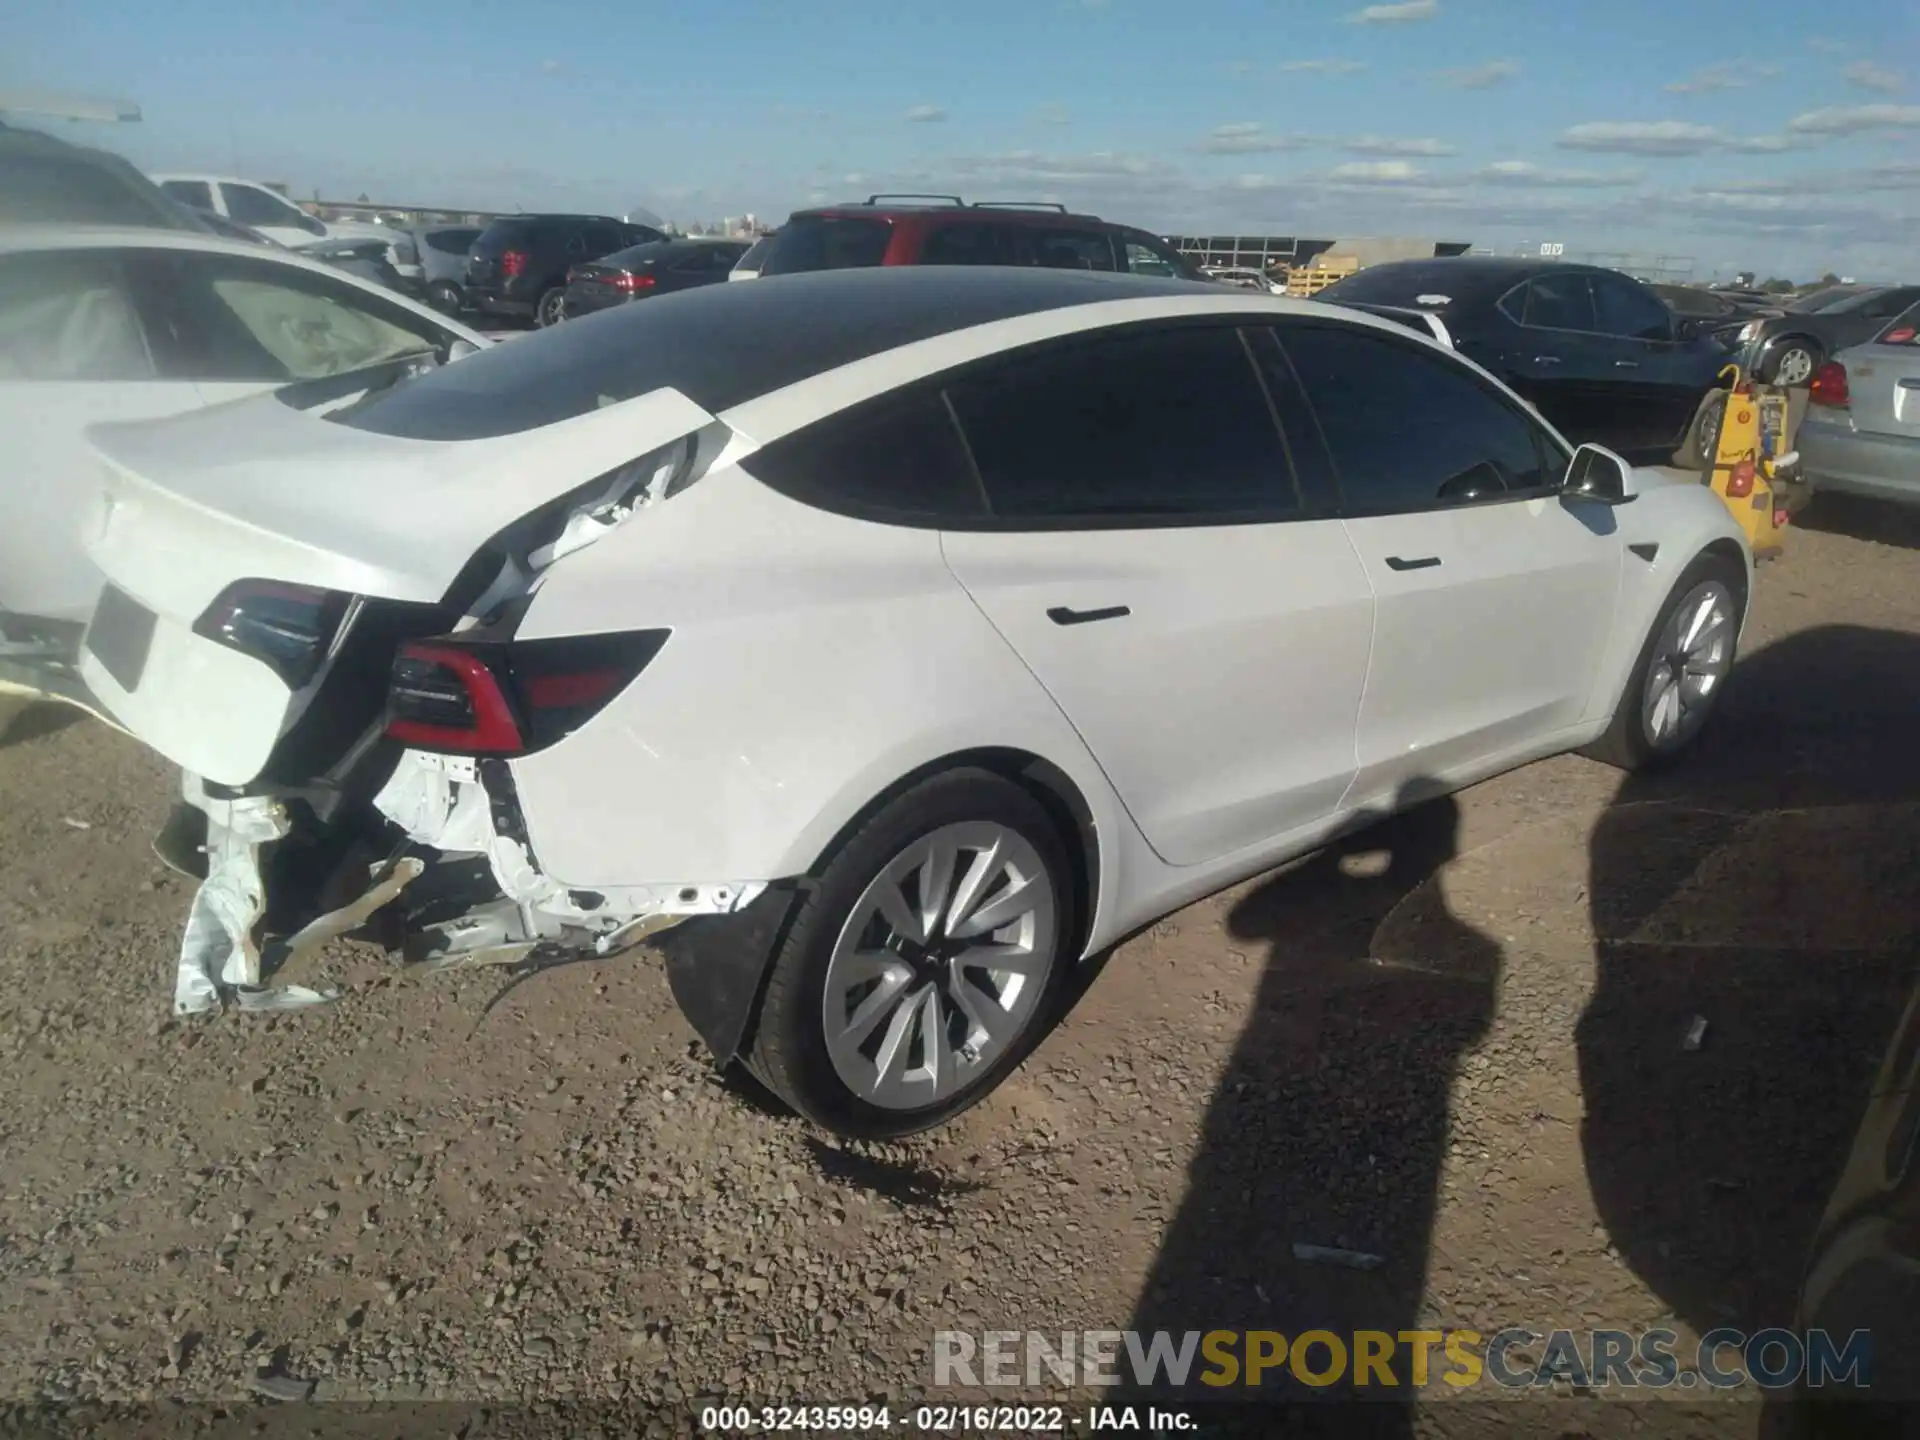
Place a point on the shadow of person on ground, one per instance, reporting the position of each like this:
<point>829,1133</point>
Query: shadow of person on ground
<point>1329,1125</point>
<point>1768,887</point>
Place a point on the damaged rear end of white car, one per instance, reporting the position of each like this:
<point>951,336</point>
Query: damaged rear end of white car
<point>321,634</point>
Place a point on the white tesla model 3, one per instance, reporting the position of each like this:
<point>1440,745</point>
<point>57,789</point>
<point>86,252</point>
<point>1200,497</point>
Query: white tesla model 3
<point>908,634</point>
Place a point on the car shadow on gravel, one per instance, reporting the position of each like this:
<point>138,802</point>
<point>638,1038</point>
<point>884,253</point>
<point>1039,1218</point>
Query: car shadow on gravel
<point>1879,522</point>
<point>1770,888</point>
<point>1329,1125</point>
<point>1709,1164</point>
<point>36,722</point>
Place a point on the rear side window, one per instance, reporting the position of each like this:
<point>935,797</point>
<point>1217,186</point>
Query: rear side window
<point>896,460</point>
<point>1409,431</point>
<point>196,193</point>
<point>1558,302</point>
<point>1905,330</point>
<point>257,208</point>
<point>451,242</point>
<point>828,242</point>
<point>227,318</point>
<point>1160,425</point>
<point>1062,249</point>
<point>68,317</point>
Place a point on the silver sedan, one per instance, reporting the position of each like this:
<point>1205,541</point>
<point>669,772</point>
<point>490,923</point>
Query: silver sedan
<point>1861,434</point>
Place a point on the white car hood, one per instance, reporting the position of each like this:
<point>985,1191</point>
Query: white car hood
<point>258,488</point>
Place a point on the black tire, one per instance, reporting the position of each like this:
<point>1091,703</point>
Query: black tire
<point>1627,745</point>
<point>1697,450</point>
<point>788,1051</point>
<point>445,296</point>
<point>1770,369</point>
<point>550,309</point>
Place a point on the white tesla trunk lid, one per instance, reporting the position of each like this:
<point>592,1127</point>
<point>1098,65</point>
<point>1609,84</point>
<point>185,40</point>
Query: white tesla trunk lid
<point>258,489</point>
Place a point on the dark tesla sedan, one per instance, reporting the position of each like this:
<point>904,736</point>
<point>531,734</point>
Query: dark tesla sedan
<point>650,269</point>
<point>1595,351</point>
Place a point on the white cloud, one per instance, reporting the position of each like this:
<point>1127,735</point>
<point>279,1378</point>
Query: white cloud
<point>1322,67</point>
<point>553,67</point>
<point>1240,67</point>
<point>1525,173</point>
<point>1852,119</point>
<point>926,115</point>
<point>1378,145</point>
<point>1761,144</point>
<point>1827,45</point>
<point>1482,77</point>
<point>1397,14</point>
<point>1375,172</point>
<point>1248,138</point>
<point>1641,137</point>
<point>1868,76</point>
<point>1726,75</point>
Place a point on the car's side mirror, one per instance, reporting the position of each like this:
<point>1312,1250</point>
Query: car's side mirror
<point>1599,475</point>
<point>457,348</point>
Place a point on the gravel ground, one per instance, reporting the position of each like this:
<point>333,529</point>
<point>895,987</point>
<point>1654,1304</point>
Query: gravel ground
<point>1455,1043</point>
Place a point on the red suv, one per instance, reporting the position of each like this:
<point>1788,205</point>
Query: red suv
<point>945,230</point>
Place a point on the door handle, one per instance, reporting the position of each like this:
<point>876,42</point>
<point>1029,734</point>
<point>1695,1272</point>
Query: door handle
<point>1423,562</point>
<point>1546,359</point>
<point>1064,615</point>
<point>1626,364</point>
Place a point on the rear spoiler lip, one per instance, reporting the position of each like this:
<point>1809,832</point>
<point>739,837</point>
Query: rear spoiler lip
<point>1430,322</point>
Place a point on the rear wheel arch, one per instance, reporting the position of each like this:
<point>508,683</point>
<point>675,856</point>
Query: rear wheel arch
<point>1058,794</point>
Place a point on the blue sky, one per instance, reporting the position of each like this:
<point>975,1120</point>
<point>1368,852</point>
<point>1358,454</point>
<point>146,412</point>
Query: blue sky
<point>1740,135</point>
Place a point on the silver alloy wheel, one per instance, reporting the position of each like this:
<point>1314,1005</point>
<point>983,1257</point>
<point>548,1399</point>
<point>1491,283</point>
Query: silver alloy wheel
<point>1689,665</point>
<point>941,965</point>
<point>1794,367</point>
<point>553,309</point>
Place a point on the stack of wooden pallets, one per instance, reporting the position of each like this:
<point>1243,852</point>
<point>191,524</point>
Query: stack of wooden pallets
<point>1305,280</point>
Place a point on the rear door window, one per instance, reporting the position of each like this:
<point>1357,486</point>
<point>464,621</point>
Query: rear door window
<point>1156,427</point>
<point>68,316</point>
<point>968,243</point>
<point>1623,308</point>
<point>1062,249</point>
<point>828,242</point>
<point>1409,430</point>
<point>196,193</point>
<point>1558,302</point>
<point>229,318</point>
<point>1145,259</point>
<point>255,207</point>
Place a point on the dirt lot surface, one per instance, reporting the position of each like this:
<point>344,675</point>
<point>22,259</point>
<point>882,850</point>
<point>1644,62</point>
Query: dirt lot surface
<point>1456,1044</point>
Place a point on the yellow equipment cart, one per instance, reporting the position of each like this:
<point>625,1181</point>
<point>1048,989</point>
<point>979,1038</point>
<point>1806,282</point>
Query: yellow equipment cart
<point>1755,468</point>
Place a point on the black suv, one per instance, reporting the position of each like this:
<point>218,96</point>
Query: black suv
<point>519,264</point>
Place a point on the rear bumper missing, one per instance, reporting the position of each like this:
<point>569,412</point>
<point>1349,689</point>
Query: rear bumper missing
<point>458,886</point>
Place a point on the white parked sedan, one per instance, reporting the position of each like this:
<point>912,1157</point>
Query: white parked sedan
<point>102,324</point>
<point>907,633</point>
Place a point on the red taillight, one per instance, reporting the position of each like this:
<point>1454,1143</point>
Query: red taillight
<point>627,281</point>
<point>1899,335</point>
<point>512,262</point>
<point>508,699</point>
<point>1829,385</point>
<point>445,697</point>
<point>288,628</point>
